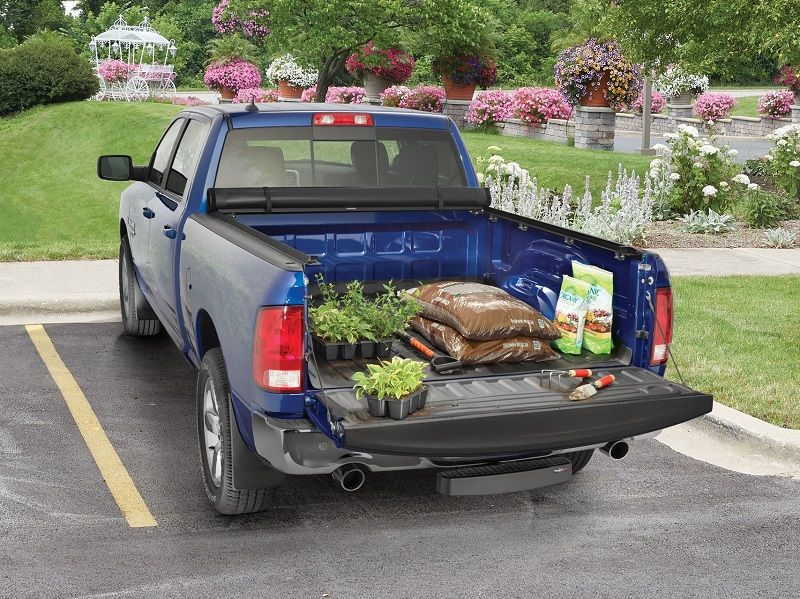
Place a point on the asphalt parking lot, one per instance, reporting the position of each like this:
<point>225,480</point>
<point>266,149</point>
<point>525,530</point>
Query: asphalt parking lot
<point>658,524</point>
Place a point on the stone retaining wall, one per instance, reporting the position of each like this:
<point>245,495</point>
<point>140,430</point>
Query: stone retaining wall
<point>796,114</point>
<point>457,110</point>
<point>594,127</point>
<point>741,126</point>
<point>555,129</point>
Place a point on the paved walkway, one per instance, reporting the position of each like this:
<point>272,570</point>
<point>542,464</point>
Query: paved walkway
<point>63,289</point>
<point>747,147</point>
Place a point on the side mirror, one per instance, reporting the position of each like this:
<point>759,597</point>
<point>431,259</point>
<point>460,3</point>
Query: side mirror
<point>115,168</point>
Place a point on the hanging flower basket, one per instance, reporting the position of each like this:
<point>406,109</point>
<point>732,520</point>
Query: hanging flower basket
<point>380,68</point>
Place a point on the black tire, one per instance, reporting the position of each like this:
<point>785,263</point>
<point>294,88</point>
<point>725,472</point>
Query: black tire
<point>221,493</point>
<point>579,459</point>
<point>128,288</point>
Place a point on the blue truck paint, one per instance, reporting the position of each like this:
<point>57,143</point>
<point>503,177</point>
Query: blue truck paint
<point>215,280</point>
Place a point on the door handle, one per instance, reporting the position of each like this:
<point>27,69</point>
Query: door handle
<point>171,233</point>
<point>147,213</point>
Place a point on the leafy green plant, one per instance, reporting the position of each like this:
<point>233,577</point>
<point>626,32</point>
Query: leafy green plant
<point>230,47</point>
<point>780,238</point>
<point>712,223</point>
<point>761,209</point>
<point>336,325</point>
<point>756,167</point>
<point>390,312</point>
<point>391,380</point>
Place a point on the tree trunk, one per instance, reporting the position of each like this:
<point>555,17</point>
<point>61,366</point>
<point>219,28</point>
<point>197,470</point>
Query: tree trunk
<point>333,65</point>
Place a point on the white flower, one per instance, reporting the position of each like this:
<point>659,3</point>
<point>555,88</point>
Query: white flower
<point>656,163</point>
<point>708,150</point>
<point>709,190</point>
<point>733,152</point>
<point>742,178</point>
<point>481,178</point>
<point>782,142</point>
<point>752,186</point>
<point>689,130</point>
<point>723,184</point>
<point>670,136</point>
<point>659,148</point>
<point>794,163</point>
<point>710,122</point>
<point>698,165</point>
<point>675,176</point>
<point>768,157</point>
<point>495,159</point>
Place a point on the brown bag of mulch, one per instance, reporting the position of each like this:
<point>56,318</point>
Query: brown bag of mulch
<point>482,312</point>
<point>513,349</point>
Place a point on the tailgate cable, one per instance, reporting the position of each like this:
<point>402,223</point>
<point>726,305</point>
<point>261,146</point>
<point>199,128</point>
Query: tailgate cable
<point>663,336</point>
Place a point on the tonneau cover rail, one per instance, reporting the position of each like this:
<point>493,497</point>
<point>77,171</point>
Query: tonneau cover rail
<point>260,200</point>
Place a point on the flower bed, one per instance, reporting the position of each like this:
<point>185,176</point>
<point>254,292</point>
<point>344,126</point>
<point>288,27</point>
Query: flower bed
<point>490,107</point>
<point>255,94</point>
<point>776,104</point>
<point>345,95</point>
<point>712,107</point>
<point>427,98</point>
<point>393,64</point>
<point>232,74</point>
<point>540,104</point>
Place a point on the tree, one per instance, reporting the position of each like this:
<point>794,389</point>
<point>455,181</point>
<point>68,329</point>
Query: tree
<point>22,18</point>
<point>326,32</point>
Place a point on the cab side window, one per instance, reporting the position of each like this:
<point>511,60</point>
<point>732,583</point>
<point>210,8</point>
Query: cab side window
<point>183,166</point>
<point>164,149</point>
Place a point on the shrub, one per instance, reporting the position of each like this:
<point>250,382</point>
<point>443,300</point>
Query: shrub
<point>676,81</point>
<point>392,96</point>
<point>43,70</point>
<point>657,103</point>
<point>712,223</point>
<point>345,95</point>
<point>255,94</point>
<point>540,104</point>
<point>712,107</point>
<point>286,68</point>
<point>756,167</point>
<point>490,107</point>
<point>779,238</point>
<point>776,104</point>
<point>761,209</point>
<point>234,74</point>
<point>427,98</point>
<point>392,64</point>
<point>784,158</point>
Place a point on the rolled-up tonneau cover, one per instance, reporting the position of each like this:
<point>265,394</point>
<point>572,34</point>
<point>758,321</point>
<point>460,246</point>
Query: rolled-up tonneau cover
<point>342,199</point>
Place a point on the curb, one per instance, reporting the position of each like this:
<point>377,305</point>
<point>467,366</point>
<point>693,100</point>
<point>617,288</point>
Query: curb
<point>43,306</point>
<point>732,425</point>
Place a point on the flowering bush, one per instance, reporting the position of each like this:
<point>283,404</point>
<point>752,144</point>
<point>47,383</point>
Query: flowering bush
<point>309,94</point>
<point>784,158</point>
<point>676,81</point>
<point>776,104</point>
<point>540,104</point>
<point>234,74</point>
<point>579,70</point>
<point>285,68</point>
<point>712,107</point>
<point>393,64</point>
<point>490,107</point>
<point>225,21</point>
<point>188,101</point>
<point>657,103</point>
<point>692,172</point>
<point>114,70</point>
<point>392,96</point>
<point>427,98</point>
<point>467,69</point>
<point>255,94</point>
<point>345,95</point>
<point>790,78</point>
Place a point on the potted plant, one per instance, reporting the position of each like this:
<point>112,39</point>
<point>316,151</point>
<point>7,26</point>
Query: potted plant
<point>392,388</point>
<point>290,77</point>
<point>790,77</point>
<point>595,73</point>
<point>339,323</point>
<point>462,73</point>
<point>776,104</point>
<point>680,86</point>
<point>114,71</point>
<point>229,76</point>
<point>388,314</point>
<point>380,68</point>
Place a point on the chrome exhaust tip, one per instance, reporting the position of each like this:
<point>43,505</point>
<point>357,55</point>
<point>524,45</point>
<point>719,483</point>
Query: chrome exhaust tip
<point>616,450</point>
<point>350,477</point>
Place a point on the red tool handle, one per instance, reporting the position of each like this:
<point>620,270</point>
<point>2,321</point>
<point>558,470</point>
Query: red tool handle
<point>421,348</point>
<point>581,373</point>
<point>604,381</point>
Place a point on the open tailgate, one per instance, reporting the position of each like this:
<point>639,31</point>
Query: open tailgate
<point>522,414</point>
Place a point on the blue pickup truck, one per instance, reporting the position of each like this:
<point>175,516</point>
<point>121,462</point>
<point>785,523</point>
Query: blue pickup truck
<point>223,233</point>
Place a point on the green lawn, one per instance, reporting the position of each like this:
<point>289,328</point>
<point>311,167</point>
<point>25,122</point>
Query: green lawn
<point>746,106</point>
<point>736,337</point>
<point>53,206</point>
<point>554,164</point>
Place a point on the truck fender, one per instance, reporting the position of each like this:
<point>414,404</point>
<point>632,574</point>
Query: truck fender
<point>249,470</point>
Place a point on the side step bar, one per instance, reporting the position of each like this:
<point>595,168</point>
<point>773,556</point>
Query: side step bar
<point>509,477</point>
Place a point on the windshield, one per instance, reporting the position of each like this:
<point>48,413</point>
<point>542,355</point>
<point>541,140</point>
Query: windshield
<point>339,156</point>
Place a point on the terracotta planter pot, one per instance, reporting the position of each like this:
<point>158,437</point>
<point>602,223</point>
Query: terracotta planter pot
<point>288,91</point>
<point>375,86</point>
<point>227,93</point>
<point>455,91</point>
<point>596,96</point>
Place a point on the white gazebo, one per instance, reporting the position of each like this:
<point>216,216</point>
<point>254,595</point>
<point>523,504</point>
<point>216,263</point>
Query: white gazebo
<point>146,53</point>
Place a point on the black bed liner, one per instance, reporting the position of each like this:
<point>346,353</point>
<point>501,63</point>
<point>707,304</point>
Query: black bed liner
<point>516,414</point>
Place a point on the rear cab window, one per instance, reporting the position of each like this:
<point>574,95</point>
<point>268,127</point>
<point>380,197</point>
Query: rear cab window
<point>341,156</point>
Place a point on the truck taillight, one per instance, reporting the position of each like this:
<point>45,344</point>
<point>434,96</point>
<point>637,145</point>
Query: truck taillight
<point>662,334</point>
<point>278,349</point>
<point>343,118</point>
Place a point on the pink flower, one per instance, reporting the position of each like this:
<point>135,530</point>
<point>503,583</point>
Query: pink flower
<point>234,74</point>
<point>776,104</point>
<point>657,102</point>
<point>392,96</point>
<point>309,94</point>
<point>225,21</point>
<point>114,70</point>
<point>345,95</point>
<point>393,64</point>
<point>490,107</point>
<point>427,98</point>
<point>540,104</point>
<point>255,94</point>
<point>188,101</point>
<point>714,106</point>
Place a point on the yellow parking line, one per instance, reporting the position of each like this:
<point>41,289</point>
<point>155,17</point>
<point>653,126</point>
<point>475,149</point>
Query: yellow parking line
<point>119,482</point>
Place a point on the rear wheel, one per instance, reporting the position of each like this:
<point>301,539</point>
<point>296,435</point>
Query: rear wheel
<point>214,422</point>
<point>579,459</point>
<point>128,292</point>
